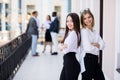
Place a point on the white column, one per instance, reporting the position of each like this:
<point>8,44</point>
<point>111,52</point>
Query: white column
<point>24,16</point>
<point>92,4</point>
<point>15,30</point>
<point>81,4</point>
<point>39,8</point>
<point>109,38</point>
<point>117,27</point>
<point>117,40</point>
<point>50,7</point>
<point>95,8</point>
<point>75,6</point>
<point>64,12</point>
<point>45,8</point>
<point>87,3</point>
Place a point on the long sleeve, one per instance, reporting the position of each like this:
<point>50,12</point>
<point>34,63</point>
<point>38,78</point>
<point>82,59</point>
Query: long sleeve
<point>102,43</point>
<point>71,42</point>
<point>38,23</point>
<point>47,24</point>
<point>54,26</point>
<point>33,29</point>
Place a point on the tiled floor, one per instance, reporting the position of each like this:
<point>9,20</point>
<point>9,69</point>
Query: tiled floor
<point>44,67</point>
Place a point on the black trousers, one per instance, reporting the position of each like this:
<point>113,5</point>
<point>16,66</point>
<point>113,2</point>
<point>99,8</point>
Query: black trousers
<point>71,67</point>
<point>93,70</point>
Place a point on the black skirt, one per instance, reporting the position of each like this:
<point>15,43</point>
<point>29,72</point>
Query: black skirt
<point>71,67</point>
<point>48,36</point>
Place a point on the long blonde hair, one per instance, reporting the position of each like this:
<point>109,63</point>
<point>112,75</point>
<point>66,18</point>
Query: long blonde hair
<point>82,17</point>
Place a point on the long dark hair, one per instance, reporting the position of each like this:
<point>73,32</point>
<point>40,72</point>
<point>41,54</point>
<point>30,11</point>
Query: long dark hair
<point>76,22</point>
<point>49,17</point>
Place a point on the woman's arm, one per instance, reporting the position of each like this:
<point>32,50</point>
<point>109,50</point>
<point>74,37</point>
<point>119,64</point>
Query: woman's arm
<point>87,45</point>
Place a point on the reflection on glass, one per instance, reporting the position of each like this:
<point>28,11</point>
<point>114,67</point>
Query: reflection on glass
<point>7,16</point>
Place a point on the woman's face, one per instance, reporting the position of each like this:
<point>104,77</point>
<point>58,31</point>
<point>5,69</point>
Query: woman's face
<point>47,17</point>
<point>87,19</point>
<point>69,23</point>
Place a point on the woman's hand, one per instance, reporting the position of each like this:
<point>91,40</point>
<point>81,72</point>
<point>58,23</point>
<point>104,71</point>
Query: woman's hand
<point>96,45</point>
<point>62,46</point>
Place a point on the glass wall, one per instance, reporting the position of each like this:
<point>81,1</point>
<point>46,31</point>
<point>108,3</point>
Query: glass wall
<point>7,18</point>
<point>20,15</point>
<point>4,14</point>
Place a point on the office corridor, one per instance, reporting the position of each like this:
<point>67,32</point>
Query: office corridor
<point>43,67</point>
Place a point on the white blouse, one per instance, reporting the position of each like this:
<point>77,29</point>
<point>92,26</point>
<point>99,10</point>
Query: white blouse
<point>88,37</point>
<point>47,24</point>
<point>71,42</point>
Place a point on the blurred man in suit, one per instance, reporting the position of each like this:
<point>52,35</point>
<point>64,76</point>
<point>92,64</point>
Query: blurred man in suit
<point>54,28</point>
<point>32,30</point>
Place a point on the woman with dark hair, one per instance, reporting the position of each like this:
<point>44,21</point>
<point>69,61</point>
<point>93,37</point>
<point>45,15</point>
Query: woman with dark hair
<point>91,43</point>
<point>48,38</point>
<point>69,45</point>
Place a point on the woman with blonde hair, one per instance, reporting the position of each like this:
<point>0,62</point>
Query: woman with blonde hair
<point>91,43</point>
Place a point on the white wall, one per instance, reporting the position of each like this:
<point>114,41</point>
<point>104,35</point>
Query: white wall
<point>117,40</point>
<point>75,6</point>
<point>109,38</point>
